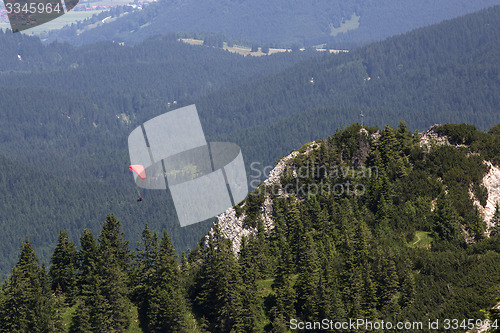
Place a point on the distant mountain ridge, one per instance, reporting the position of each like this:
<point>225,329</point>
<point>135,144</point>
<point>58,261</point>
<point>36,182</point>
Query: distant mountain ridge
<point>446,72</point>
<point>351,22</point>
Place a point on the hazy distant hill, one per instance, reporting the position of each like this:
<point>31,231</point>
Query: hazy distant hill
<point>448,72</point>
<point>349,22</point>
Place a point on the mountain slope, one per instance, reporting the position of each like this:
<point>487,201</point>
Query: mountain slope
<point>65,115</point>
<point>73,122</point>
<point>323,227</point>
<point>446,72</point>
<point>279,21</point>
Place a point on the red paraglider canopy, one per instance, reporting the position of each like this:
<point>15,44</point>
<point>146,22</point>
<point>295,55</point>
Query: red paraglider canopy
<point>139,170</point>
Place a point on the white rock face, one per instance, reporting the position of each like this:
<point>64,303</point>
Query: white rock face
<point>431,136</point>
<point>492,183</point>
<point>234,228</point>
<point>277,172</point>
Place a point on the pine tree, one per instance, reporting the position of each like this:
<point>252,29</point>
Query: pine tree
<point>112,269</point>
<point>284,309</point>
<point>260,250</point>
<point>167,307</point>
<point>228,288</point>
<point>446,225</point>
<point>144,275</point>
<point>217,289</point>
<point>330,302</point>
<point>408,290</point>
<point>295,229</point>
<point>103,281</point>
<point>28,304</point>
<point>495,221</point>
<point>86,261</point>
<point>388,286</point>
<point>249,295</point>
<point>63,265</point>
<point>87,281</point>
<point>307,281</point>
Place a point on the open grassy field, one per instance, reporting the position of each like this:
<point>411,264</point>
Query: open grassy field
<point>423,239</point>
<point>351,24</point>
<point>245,50</point>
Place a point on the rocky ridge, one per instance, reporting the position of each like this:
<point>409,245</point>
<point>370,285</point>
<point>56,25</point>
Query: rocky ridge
<point>432,137</point>
<point>234,228</point>
<point>492,183</point>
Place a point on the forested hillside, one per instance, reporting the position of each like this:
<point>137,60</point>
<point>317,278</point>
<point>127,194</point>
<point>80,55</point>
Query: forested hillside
<point>341,23</point>
<point>65,114</point>
<point>403,242</point>
<point>67,111</point>
<point>446,72</point>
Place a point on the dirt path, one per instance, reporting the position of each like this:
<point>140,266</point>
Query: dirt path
<point>418,240</point>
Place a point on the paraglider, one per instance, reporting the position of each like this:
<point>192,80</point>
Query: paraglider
<point>139,170</point>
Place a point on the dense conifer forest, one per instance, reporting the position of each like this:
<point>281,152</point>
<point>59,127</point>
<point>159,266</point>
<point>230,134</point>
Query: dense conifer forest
<point>66,113</point>
<point>409,247</point>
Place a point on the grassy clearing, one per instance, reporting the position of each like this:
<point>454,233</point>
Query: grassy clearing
<point>423,239</point>
<point>134,321</point>
<point>68,313</point>
<point>239,49</point>
<point>66,316</point>
<point>351,24</point>
<point>264,287</point>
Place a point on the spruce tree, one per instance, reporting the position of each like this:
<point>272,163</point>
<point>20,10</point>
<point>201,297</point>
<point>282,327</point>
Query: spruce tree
<point>112,269</point>
<point>63,265</point>
<point>306,286</point>
<point>86,261</point>
<point>103,270</point>
<point>284,309</point>
<point>87,282</point>
<point>295,229</point>
<point>389,286</point>
<point>249,295</point>
<point>167,308</point>
<point>446,226</point>
<point>143,275</point>
<point>27,302</point>
<point>408,288</point>
<point>218,286</point>
<point>228,288</point>
<point>495,221</point>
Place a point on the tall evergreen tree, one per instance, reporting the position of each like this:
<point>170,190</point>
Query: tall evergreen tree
<point>86,261</point>
<point>408,288</point>
<point>307,281</point>
<point>167,308</point>
<point>446,225</point>
<point>495,221</point>
<point>27,303</point>
<point>249,295</point>
<point>63,266</point>
<point>217,287</point>
<point>295,228</point>
<point>143,276</point>
<point>284,309</point>
<point>104,295</point>
<point>388,286</point>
